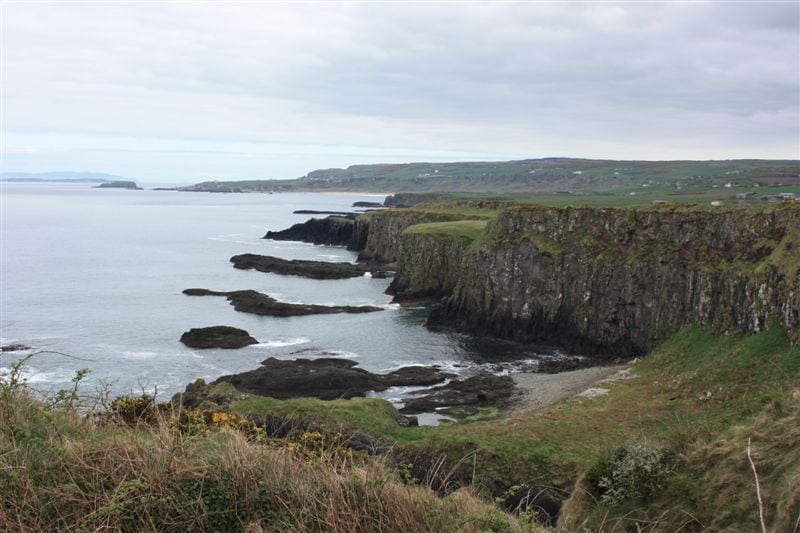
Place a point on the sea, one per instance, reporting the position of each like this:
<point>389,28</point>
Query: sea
<point>93,279</point>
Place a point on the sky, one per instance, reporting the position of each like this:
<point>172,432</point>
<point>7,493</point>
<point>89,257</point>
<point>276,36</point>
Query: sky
<point>187,91</point>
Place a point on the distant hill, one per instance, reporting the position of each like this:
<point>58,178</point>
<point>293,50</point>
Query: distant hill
<point>67,177</point>
<point>529,175</point>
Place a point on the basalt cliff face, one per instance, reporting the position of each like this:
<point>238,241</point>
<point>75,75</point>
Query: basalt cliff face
<point>609,281</point>
<point>377,235</point>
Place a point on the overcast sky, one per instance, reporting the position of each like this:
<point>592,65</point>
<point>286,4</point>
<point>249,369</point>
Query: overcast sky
<point>182,91</point>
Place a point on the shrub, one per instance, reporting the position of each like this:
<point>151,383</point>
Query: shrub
<point>631,473</point>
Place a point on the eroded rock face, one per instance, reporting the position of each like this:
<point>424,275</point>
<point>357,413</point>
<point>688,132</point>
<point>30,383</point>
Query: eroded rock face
<point>332,230</point>
<point>617,281</point>
<point>325,378</point>
<point>298,267</point>
<point>250,301</point>
<point>217,337</point>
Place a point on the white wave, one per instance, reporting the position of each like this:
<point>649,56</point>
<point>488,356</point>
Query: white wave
<point>138,355</point>
<point>344,354</point>
<point>367,274</point>
<point>279,343</point>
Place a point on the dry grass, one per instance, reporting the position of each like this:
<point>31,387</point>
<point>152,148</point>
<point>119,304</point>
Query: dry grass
<point>63,471</point>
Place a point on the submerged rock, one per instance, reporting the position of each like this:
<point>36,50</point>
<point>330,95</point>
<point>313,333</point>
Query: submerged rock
<point>298,267</point>
<point>250,301</point>
<point>217,337</point>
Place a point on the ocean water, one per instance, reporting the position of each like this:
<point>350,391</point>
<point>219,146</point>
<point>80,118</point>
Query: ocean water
<point>97,275</point>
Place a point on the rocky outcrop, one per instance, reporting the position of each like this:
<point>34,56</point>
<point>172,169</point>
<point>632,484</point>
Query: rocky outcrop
<point>119,185</point>
<point>260,304</point>
<point>367,204</point>
<point>298,267</point>
<point>348,214</point>
<point>332,230</point>
<point>326,378</point>
<point>409,199</point>
<point>617,281</point>
<point>483,390</point>
<point>217,337</point>
<point>14,348</point>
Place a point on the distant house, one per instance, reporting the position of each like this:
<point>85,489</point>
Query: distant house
<point>749,195</point>
<point>781,197</point>
<point>717,203</point>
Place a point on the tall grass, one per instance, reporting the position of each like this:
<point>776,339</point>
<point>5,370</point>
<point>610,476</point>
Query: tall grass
<point>63,470</point>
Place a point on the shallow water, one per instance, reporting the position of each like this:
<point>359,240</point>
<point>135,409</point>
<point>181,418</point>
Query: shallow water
<point>98,274</point>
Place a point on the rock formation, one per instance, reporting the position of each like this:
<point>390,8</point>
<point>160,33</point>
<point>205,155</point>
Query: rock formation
<point>217,337</point>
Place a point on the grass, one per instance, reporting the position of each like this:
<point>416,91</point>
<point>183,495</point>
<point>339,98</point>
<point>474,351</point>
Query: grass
<point>697,394</point>
<point>60,470</point>
<point>468,230</point>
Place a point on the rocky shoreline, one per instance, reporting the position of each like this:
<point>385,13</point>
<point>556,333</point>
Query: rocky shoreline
<point>249,301</point>
<point>298,267</point>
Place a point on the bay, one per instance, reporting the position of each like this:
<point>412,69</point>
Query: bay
<point>98,274</point>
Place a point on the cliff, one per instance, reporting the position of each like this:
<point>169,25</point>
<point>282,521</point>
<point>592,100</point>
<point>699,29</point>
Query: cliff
<point>377,235</point>
<point>431,257</point>
<point>611,281</point>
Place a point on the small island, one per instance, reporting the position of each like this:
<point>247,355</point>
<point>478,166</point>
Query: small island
<point>119,185</point>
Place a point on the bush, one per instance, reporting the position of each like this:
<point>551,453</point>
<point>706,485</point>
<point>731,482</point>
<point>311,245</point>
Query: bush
<point>631,473</point>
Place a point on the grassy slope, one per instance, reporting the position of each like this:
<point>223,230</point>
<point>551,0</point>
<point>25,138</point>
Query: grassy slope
<point>691,394</point>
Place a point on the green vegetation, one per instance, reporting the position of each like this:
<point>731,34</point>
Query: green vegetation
<point>696,396</point>
<point>464,229</point>
<point>665,448</point>
<point>138,467</point>
<point>555,181</point>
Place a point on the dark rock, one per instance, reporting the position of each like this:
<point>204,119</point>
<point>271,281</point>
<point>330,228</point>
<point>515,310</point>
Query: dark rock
<point>297,267</point>
<point>332,230</point>
<point>482,390</point>
<point>409,199</point>
<point>217,337</point>
<point>250,301</point>
<point>119,185</point>
<point>327,379</point>
<point>367,204</point>
<point>347,214</point>
<point>416,376</point>
<point>14,348</point>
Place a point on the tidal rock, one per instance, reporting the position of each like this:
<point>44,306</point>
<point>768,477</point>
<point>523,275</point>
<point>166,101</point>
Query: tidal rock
<point>217,337</point>
<point>325,378</point>
<point>367,204</point>
<point>297,267</point>
<point>332,230</point>
<point>250,301</point>
<point>483,390</point>
<point>14,348</point>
